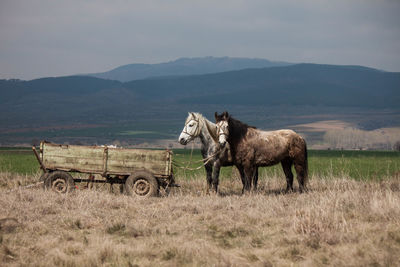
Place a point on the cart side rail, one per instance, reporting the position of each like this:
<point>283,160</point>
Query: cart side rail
<point>105,160</point>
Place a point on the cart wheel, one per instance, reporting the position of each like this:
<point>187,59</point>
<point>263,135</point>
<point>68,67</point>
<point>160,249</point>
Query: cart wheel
<point>60,182</point>
<point>141,184</point>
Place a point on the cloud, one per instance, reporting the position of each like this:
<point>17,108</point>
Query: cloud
<point>50,38</point>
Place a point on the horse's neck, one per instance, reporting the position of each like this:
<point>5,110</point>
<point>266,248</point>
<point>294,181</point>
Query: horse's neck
<point>238,131</point>
<point>208,133</point>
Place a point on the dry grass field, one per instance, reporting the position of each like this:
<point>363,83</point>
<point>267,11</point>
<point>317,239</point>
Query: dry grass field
<point>340,222</point>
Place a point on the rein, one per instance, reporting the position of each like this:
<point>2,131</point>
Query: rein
<point>205,161</point>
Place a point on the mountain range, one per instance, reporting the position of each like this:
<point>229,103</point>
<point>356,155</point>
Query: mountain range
<point>157,99</point>
<point>184,66</point>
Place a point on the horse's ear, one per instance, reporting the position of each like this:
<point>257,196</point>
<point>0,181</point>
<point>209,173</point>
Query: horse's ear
<point>225,115</point>
<point>191,113</point>
<point>216,115</point>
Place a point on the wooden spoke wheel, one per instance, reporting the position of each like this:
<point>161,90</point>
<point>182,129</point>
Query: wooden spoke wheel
<point>141,184</point>
<point>60,182</point>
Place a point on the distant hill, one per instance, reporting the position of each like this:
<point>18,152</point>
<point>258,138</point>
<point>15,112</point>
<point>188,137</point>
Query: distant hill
<point>44,89</point>
<point>184,66</point>
<point>301,84</point>
<point>81,100</point>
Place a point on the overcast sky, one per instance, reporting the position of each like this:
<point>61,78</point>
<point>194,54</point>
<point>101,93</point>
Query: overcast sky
<point>44,38</point>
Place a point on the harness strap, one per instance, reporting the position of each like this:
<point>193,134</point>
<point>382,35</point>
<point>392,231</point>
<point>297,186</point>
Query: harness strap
<point>205,162</point>
<point>198,129</point>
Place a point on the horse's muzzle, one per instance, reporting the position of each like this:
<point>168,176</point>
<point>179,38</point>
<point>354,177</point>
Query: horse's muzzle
<point>222,144</point>
<point>183,141</point>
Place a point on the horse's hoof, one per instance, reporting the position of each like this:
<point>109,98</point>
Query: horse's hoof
<point>289,190</point>
<point>303,190</point>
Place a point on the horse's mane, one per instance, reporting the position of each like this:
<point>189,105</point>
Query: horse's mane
<point>238,129</point>
<point>239,123</point>
<point>194,115</point>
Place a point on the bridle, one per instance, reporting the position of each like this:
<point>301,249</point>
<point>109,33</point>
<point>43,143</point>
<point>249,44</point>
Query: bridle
<point>197,130</point>
<point>222,129</point>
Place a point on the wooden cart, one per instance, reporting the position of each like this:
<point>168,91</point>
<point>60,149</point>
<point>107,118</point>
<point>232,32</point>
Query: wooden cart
<point>140,172</point>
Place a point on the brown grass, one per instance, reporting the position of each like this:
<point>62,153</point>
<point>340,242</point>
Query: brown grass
<point>339,222</point>
<point>12,181</point>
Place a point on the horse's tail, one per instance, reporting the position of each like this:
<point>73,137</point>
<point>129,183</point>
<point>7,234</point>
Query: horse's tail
<point>305,164</point>
<point>301,161</point>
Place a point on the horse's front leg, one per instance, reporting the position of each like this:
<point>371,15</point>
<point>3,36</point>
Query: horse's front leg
<point>255,180</point>
<point>209,171</point>
<point>215,175</point>
<point>242,176</point>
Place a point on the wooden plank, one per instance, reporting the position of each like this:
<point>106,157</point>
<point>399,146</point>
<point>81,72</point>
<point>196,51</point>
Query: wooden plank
<point>133,159</point>
<point>153,168</point>
<point>138,155</point>
<point>73,157</point>
<point>74,151</point>
<point>73,163</point>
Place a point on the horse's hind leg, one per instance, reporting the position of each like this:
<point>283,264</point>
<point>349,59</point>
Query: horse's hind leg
<point>249,174</point>
<point>287,169</point>
<point>301,163</point>
<point>301,176</point>
<point>215,175</point>
<point>209,171</point>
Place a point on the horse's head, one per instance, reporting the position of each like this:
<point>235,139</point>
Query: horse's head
<point>191,130</point>
<point>222,127</point>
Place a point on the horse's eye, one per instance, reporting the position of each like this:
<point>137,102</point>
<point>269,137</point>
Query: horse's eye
<point>191,125</point>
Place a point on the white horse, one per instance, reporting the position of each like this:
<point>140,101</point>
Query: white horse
<point>198,126</point>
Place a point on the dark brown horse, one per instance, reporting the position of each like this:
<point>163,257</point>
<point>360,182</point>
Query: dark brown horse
<point>252,148</point>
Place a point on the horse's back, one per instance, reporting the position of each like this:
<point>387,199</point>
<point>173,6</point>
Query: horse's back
<point>282,132</point>
<point>292,138</point>
<point>279,136</point>
<point>277,144</point>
